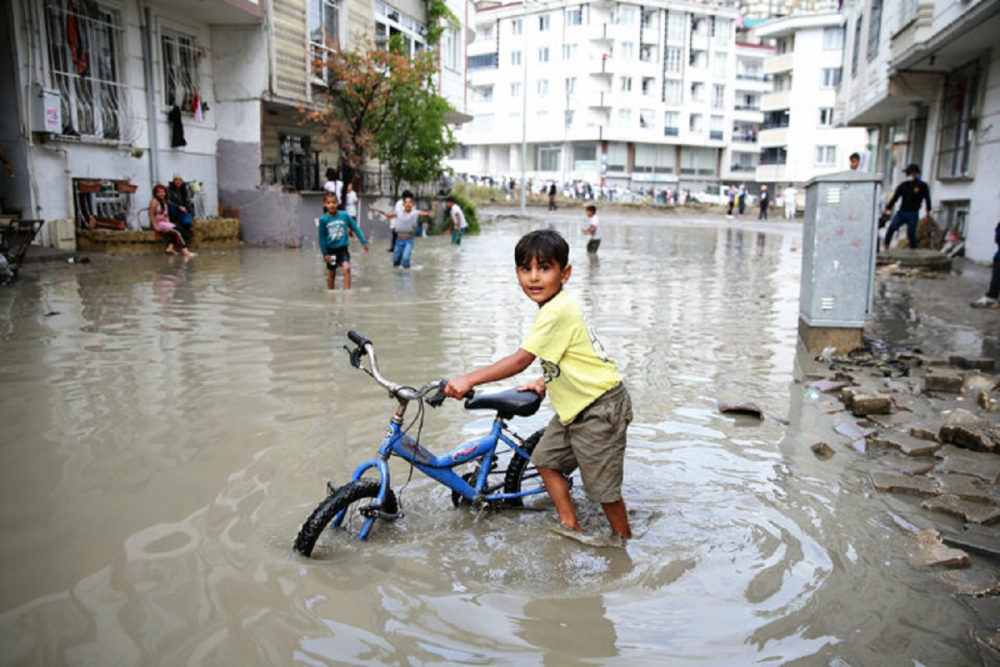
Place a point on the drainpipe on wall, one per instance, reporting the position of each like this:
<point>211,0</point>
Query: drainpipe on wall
<point>147,57</point>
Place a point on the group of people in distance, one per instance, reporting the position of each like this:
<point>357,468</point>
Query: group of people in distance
<point>171,214</point>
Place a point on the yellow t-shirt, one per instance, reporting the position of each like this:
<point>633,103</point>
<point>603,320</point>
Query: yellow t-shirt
<point>577,371</point>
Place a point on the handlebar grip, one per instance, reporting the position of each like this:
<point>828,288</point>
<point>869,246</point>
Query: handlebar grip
<point>437,399</point>
<point>357,338</point>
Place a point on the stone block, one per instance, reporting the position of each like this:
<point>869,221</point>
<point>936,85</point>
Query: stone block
<point>907,444</point>
<point>963,486</point>
<point>944,382</point>
<point>968,462</point>
<point>975,583</point>
<point>973,363</point>
<point>976,538</point>
<point>981,513</point>
<point>927,548</point>
<point>891,482</point>
<point>870,404</point>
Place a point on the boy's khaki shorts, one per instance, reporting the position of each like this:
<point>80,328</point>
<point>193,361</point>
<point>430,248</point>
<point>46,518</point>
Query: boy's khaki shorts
<point>593,442</point>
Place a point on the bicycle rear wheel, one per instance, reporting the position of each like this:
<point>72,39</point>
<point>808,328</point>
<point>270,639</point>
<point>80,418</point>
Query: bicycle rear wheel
<point>345,499</point>
<point>522,476</point>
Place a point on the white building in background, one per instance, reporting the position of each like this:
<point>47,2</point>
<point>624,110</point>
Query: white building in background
<point>636,95</point>
<point>799,140</point>
<point>925,78</point>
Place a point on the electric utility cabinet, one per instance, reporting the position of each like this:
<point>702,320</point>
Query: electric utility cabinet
<point>840,240</point>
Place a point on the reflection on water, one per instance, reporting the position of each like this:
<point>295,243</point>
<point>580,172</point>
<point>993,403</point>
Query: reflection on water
<point>168,425</point>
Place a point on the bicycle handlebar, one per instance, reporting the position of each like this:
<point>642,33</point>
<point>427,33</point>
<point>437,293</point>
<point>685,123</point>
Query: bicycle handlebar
<point>366,348</point>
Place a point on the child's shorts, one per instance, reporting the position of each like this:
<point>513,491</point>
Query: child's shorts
<point>593,245</point>
<point>594,442</point>
<point>339,256</point>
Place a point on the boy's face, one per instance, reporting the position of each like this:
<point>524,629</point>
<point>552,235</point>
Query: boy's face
<point>542,279</point>
<point>407,204</point>
<point>590,214</point>
<point>330,204</point>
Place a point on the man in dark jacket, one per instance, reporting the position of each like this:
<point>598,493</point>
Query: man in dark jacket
<point>992,298</point>
<point>910,193</point>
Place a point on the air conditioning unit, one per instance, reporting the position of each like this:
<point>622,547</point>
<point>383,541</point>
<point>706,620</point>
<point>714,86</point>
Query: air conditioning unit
<point>47,110</point>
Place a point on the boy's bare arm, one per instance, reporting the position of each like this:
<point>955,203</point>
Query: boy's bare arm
<point>499,370</point>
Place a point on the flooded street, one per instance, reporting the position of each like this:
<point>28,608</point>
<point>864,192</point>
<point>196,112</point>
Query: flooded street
<point>167,428</point>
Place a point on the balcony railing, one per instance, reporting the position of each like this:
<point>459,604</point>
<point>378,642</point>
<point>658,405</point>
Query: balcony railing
<point>747,107</point>
<point>715,134</point>
<point>301,174</point>
<point>744,138</point>
<point>671,131</point>
<point>743,167</point>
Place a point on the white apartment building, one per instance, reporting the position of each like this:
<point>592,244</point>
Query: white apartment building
<point>798,140</point>
<point>610,93</point>
<point>741,157</point>
<point>925,78</point>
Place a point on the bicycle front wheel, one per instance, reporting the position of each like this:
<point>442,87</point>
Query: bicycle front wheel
<point>345,505</point>
<point>522,476</point>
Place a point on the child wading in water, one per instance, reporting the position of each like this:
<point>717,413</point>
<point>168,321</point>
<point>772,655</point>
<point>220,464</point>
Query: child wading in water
<point>593,229</point>
<point>159,220</point>
<point>334,226</point>
<point>593,408</point>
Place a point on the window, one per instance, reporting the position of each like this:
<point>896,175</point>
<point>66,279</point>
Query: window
<point>517,26</point>
<point>874,27</point>
<point>774,155</point>
<point>617,156</point>
<point>543,87</point>
<point>648,85</point>
<point>695,123</point>
<point>549,158</point>
<point>750,70</point>
<point>627,15</point>
<point>721,30</point>
<point>646,118</point>
<point>544,22</point>
<point>959,119</point>
<point>574,16</point>
<point>833,38</point>
<point>649,18</point>
<point>485,34</point>
<point>515,89</point>
<point>675,27</point>
<point>570,85</point>
<point>625,117</point>
<point>673,57</point>
<point>543,54</point>
<point>831,76</point>
<point>515,58</point>
<point>483,94</point>
<point>93,101</point>
<point>450,47</point>
<point>671,123</point>
<point>673,92</point>
<point>719,65</point>
<point>483,61</point>
<point>857,47</point>
<point>698,59</point>
<point>715,128</point>
<point>324,26</point>
<point>826,156</point>
<point>718,96</point>
<point>697,92</point>
<point>569,51</point>
<point>180,68</point>
<point>826,116</point>
<point>627,50</point>
<point>390,23</point>
<point>626,84</point>
<point>783,46</point>
<point>297,171</point>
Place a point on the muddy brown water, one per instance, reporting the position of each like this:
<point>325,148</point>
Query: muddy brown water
<point>166,427</point>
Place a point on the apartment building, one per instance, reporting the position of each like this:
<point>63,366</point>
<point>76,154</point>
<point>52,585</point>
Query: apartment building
<point>925,78</point>
<point>742,155</point>
<point>104,99</point>
<point>612,93</point>
<point>799,139</point>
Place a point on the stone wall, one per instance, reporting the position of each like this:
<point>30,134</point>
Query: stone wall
<point>214,233</point>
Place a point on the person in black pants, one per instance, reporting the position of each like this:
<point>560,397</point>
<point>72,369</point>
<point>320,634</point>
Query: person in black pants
<point>910,193</point>
<point>765,200</point>
<point>992,298</point>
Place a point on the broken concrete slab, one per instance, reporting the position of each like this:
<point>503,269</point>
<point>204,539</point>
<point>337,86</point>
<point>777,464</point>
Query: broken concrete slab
<point>976,538</point>
<point>972,582</point>
<point>950,383</point>
<point>969,363</point>
<point>963,486</point>
<point>894,483</point>
<point>928,549</point>
<point>968,462</point>
<point>981,513</point>
<point>907,466</point>
<point>828,386</point>
<point>870,404</point>
<point>905,443</point>
<point>846,425</point>
<point>970,431</point>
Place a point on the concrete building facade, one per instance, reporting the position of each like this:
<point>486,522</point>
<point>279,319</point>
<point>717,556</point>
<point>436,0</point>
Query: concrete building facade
<point>924,79</point>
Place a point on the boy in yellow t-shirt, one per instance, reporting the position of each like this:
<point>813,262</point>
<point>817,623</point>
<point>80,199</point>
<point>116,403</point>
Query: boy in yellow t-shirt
<point>593,408</point>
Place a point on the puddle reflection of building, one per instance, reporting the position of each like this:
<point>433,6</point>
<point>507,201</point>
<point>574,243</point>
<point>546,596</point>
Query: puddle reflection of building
<point>569,630</point>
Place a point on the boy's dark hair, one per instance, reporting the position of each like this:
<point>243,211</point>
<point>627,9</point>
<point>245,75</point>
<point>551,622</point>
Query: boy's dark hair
<point>407,193</point>
<point>451,199</point>
<point>331,175</point>
<point>542,244</point>
<point>592,208</point>
<point>854,156</point>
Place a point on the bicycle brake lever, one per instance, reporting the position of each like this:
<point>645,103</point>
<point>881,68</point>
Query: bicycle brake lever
<point>437,399</point>
<point>356,355</point>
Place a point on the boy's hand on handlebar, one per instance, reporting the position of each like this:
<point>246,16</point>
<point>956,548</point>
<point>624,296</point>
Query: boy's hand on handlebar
<point>457,387</point>
<point>537,386</point>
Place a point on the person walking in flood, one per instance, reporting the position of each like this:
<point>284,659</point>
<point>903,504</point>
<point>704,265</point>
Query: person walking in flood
<point>593,229</point>
<point>765,201</point>
<point>406,228</point>
<point>789,195</point>
<point>159,220</point>
<point>457,223</point>
<point>593,407</point>
<point>335,227</point>
<point>911,193</point>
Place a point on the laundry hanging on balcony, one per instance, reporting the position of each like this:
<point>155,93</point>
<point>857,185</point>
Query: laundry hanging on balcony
<point>176,127</point>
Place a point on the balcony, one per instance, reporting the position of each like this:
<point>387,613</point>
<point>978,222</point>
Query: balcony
<point>671,131</point>
<point>743,168</point>
<point>603,65</point>
<point>715,135</point>
<point>773,101</point>
<point>598,100</point>
<point>744,138</point>
<point>778,64</point>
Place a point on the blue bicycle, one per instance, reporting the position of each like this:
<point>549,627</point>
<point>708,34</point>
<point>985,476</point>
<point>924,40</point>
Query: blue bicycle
<point>496,479</point>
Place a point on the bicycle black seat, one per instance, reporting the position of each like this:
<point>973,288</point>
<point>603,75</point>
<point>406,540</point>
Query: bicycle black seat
<point>510,403</point>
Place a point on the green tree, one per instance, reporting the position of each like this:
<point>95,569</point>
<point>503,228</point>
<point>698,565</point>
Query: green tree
<point>415,140</point>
